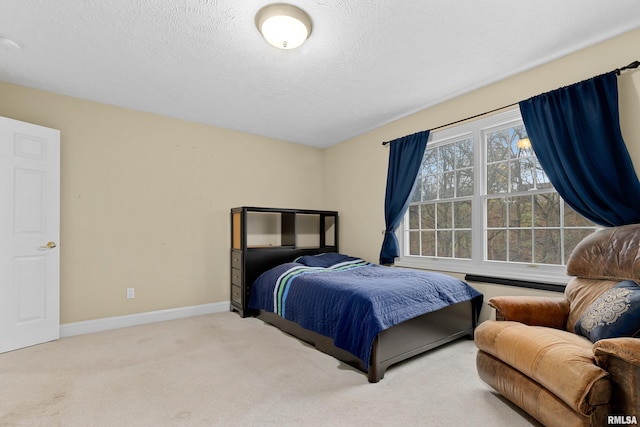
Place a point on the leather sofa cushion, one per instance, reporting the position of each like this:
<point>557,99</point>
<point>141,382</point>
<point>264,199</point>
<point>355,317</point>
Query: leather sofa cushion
<point>560,361</point>
<point>609,254</point>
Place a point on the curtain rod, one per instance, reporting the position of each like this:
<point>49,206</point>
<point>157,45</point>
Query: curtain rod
<point>634,64</point>
<point>465,119</point>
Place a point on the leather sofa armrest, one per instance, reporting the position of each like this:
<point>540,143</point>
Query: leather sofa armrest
<point>535,311</point>
<point>621,358</point>
<point>627,349</point>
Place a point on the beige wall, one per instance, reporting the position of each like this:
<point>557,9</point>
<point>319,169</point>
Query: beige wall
<point>145,201</point>
<point>360,164</point>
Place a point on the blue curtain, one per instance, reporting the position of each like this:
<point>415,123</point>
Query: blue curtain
<point>405,158</point>
<point>575,133</point>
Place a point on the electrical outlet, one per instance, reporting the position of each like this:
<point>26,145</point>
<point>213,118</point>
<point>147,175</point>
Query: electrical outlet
<point>131,293</point>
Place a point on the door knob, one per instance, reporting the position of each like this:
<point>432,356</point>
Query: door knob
<point>49,245</point>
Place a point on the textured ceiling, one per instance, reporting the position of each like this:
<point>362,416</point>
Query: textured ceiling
<point>367,62</point>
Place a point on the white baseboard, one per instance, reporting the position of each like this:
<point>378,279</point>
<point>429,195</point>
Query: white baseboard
<point>107,323</point>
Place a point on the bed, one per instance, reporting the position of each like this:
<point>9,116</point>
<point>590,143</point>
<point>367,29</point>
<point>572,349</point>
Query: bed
<point>366,315</point>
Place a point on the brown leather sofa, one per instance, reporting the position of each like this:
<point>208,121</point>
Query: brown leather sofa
<point>532,355</point>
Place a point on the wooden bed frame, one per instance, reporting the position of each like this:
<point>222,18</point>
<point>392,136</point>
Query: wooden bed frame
<point>393,345</point>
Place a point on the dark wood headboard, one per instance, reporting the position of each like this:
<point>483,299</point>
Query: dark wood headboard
<point>263,238</point>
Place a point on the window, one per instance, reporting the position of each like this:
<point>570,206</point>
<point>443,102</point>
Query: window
<point>483,205</point>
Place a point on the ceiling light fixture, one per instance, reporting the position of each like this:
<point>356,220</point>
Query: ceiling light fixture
<point>283,25</point>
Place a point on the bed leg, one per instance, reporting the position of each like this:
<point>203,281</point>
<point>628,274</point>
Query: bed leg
<point>374,374</point>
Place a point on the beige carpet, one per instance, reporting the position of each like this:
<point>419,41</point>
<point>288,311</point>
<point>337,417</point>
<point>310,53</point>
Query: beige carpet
<point>221,370</point>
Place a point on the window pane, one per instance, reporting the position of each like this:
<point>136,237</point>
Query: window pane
<point>542,180</point>
<point>518,133</point>
<point>430,187</point>
<point>520,245</point>
<point>497,178</point>
<point>463,244</point>
<point>522,172</point>
<point>464,183</point>
<point>447,185</point>
<point>414,243</point>
<point>547,210</point>
<point>462,214</point>
<point>547,247</point>
<point>414,217</point>
<point>573,218</point>
<point>430,162</point>
<point>445,239</point>
<point>496,213</point>
<point>428,216</point>
<point>497,148</point>
<point>496,245</point>
<point>523,150</point>
<point>448,157</point>
<point>520,214</point>
<point>464,154</point>
<point>428,243</point>
<point>444,215</point>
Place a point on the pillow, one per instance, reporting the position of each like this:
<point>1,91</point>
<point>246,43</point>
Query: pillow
<point>324,260</point>
<point>616,313</point>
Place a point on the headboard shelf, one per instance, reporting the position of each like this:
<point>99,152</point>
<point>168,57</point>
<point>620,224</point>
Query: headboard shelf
<point>262,238</point>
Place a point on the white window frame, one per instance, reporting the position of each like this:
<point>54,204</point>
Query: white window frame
<point>554,274</point>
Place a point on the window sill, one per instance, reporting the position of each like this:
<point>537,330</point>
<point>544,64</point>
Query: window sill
<point>517,283</point>
<point>534,277</point>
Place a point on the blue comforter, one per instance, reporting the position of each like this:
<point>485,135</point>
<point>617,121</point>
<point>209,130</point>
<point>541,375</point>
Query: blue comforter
<point>351,300</point>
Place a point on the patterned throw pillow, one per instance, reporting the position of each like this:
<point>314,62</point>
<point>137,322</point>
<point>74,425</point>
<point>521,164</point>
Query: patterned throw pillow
<point>616,313</point>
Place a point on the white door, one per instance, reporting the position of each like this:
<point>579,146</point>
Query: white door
<point>29,234</point>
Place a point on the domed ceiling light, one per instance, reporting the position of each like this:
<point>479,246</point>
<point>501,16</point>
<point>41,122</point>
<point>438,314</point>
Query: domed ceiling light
<point>283,25</point>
